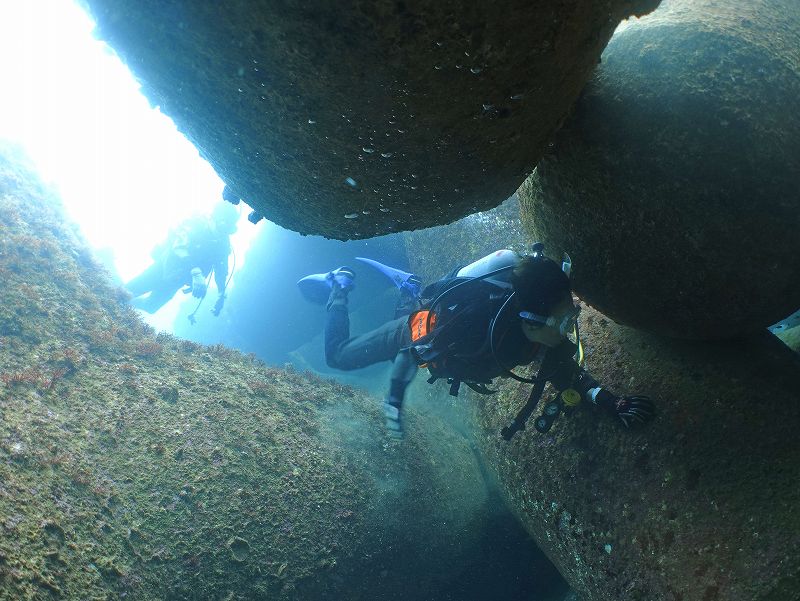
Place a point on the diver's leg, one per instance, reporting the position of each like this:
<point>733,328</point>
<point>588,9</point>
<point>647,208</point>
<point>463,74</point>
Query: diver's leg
<point>403,372</point>
<point>145,281</point>
<point>407,303</point>
<point>155,300</point>
<point>381,344</point>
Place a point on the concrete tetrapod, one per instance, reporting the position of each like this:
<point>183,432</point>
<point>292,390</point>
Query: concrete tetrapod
<point>699,504</point>
<point>675,185</point>
<point>360,118</point>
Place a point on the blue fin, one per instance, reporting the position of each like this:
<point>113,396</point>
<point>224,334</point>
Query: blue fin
<point>402,279</point>
<point>315,288</point>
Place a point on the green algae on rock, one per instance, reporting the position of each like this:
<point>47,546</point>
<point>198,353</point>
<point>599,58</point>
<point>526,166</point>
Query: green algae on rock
<point>680,169</point>
<point>355,119</point>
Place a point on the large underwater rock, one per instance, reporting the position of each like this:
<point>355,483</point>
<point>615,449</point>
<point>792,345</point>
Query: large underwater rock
<point>675,186</point>
<point>699,505</point>
<point>141,466</point>
<point>400,114</point>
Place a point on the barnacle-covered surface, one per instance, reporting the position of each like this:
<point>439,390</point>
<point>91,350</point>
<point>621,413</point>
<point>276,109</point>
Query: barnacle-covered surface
<point>675,185</point>
<point>141,466</point>
<point>352,119</point>
<point>699,504</point>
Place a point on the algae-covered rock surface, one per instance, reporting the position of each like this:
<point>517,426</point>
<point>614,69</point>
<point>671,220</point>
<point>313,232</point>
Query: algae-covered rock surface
<point>139,466</point>
<point>679,170</point>
<point>398,114</point>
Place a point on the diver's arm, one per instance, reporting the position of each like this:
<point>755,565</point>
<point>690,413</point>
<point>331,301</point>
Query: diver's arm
<point>221,275</point>
<point>629,409</point>
<point>565,373</point>
<point>198,283</point>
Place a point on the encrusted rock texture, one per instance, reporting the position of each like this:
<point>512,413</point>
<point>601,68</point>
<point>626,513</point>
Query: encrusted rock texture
<point>140,466</point>
<point>675,185</point>
<point>360,118</point>
<point>699,505</point>
<point>435,251</point>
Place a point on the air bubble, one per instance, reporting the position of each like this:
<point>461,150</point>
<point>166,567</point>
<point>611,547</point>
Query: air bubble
<point>368,149</point>
<point>351,216</point>
<point>475,70</point>
<point>351,182</point>
<point>386,155</point>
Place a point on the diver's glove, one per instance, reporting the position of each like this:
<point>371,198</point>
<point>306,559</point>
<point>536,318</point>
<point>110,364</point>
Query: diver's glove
<point>218,305</point>
<point>392,413</point>
<point>198,283</point>
<point>629,409</point>
<point>632,409</point>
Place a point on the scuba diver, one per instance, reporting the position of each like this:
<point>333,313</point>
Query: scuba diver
<point>475,324</point>
<point>196,248</point>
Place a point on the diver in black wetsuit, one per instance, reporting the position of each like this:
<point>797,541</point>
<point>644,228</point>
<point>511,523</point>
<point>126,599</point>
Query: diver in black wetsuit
<point>195,249</point>
<point>475,324</point>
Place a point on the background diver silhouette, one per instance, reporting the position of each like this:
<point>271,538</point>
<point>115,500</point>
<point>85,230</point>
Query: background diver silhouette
<point>475,324</point>
<point>187,257</point>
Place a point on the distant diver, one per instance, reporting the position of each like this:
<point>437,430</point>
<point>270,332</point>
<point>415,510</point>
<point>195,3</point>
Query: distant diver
<point>473,325</point>
<point>197,248</point>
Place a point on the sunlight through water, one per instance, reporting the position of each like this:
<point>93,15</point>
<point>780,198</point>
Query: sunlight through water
<point>124,172</point>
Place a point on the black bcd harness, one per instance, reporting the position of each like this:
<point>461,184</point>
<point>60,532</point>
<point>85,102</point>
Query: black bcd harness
<point>442,349</point>
<point>453,347</point>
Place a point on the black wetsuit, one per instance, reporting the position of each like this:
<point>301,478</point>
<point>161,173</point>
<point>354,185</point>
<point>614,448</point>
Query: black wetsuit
<point>464,336</point>
<point>196,243</point>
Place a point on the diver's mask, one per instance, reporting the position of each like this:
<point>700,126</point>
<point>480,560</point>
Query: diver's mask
<point>565,324</point>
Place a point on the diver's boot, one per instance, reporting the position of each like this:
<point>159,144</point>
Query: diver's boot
<point>391,411</point>
<point>317,287</point>
<point>341,282</point>
<point>342,277</point>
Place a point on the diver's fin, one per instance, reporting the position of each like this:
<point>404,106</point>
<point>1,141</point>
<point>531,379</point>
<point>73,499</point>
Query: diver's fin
<point>315,288</point>
<point>401,279</point>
